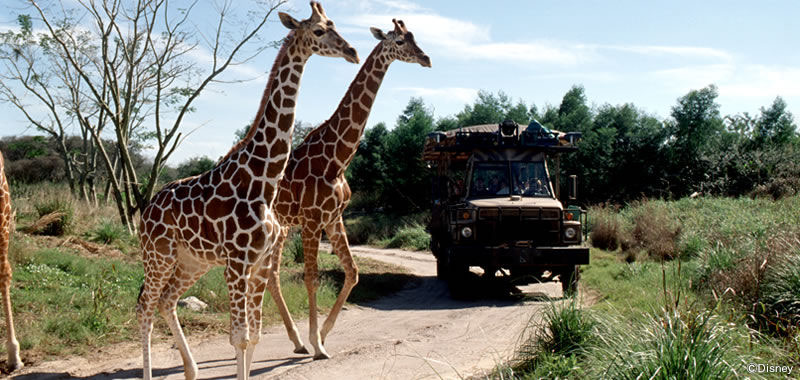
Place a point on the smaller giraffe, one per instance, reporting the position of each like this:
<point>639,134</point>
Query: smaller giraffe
<point>6,221</point>
<point>314,192</point>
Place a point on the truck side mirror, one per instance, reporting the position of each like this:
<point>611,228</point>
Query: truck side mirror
<point>572,183</point>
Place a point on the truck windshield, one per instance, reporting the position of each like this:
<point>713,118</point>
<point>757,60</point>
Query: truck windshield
<point>504,178</point>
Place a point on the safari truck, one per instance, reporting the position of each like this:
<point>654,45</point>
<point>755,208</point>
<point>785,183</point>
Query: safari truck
<point>494,205</point>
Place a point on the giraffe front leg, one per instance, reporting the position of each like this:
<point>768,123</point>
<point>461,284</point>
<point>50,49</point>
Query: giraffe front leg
<point>340,246</point>
<point>310,246</point>
<point>237,281</point>
<point>274,286</point>
<point>12,345</point>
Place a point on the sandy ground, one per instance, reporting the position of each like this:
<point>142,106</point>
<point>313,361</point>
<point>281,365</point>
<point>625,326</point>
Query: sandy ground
<point>418,333</point>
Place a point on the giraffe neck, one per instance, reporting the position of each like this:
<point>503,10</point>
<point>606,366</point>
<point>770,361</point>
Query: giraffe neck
<point>350,117</point>
<point>265,150</point>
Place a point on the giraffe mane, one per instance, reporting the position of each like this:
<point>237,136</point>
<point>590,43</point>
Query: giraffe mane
<point>264,99</point>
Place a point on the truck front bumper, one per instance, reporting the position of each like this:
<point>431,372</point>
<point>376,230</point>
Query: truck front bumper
<point>512,256</point>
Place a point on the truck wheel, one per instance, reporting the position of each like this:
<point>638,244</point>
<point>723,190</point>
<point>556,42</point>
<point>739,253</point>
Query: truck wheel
<point>569,281</point>
<point>458,280</point>
<point>441,268</point>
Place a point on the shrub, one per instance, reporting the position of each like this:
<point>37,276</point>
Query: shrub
<point>293,248</point>
<point>656,231</point>
<point>410,237</point>
<point>108,232</point>
<point>605,229</point>
<point>780,296</point>
<point>564,331</point>
<point>60,226</point>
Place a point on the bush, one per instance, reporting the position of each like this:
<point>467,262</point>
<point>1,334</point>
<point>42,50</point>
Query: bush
<point>565,331</point>
<point>60,226</point>
<point>605,229</point>
<point>293,248</point>
<point>656,231</point>
<point>412,237</point>
<point>108,232</point>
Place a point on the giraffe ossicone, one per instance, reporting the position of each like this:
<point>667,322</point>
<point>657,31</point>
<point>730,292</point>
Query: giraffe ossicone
<point>225,216</point>
<point>314,192</point>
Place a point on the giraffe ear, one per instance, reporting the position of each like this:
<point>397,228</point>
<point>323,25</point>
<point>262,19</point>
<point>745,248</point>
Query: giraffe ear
<point>378,33</point>
<point>288,21</point>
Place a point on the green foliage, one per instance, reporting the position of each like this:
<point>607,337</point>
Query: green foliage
<point>554,345</point>
<point>195,166</point>
<point>108,232</point>
<point>412,237</point>
<point>293,248</point>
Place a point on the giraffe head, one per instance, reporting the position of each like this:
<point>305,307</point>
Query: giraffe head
<point>318,35</point>
<point>399,44</point>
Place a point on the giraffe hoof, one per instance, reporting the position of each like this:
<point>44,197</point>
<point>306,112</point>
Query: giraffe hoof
<point>321,356</point>
<point>301,350</point>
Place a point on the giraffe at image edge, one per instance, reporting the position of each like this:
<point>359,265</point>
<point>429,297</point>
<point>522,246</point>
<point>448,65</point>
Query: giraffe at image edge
<point>314,192</point>
<point>6,225</point>
<point>224,216</point>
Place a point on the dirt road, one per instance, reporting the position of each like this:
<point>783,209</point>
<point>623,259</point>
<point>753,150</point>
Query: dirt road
<point>418,333</point>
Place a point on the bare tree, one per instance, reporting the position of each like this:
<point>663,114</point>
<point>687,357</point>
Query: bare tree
<point>131,66</point>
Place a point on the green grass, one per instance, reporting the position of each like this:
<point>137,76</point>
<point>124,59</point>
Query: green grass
<point>728,294</point>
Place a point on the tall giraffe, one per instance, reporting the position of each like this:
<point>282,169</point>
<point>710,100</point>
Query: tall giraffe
<point>6,221</point>
<point>224,216</point>
<point>314,192</point>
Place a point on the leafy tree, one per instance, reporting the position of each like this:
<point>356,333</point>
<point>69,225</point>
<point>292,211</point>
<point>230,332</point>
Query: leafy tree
<point>407,183</point>
<point>195,166</point>
<point>775,126</point>
<point>367,171</point>
<point>696,129</point>
<point>573,114</point>
<point>125,65</point>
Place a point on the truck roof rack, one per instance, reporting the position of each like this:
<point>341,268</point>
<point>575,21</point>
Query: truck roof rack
<point>457,144</point>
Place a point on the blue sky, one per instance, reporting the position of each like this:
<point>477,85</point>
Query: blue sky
<point>640,52</point>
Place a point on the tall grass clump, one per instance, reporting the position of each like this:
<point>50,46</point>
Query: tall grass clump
<point>667,345</point>
<point>605,228</point>
<point>655,230</point>
<point>553,346</point>
<point>107,232</point>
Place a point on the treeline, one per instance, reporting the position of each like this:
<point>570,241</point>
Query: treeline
<point>626,154</point>
<point>35,159</point>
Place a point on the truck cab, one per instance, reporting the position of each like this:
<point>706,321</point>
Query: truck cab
<point>494,205</point>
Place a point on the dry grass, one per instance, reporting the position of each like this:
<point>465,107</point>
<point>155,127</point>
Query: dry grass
<point>605,228</point>
<point>656,231</point>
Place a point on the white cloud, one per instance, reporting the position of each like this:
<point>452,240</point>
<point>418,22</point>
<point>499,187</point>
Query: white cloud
<point>677,51</point>
<point>763,81</point>
<point>696,76</point>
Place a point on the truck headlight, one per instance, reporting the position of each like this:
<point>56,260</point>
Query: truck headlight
<point>570,233</point>
<point>466,232</point>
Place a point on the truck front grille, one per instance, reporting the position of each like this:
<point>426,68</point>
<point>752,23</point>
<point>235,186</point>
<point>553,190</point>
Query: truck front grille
<point>511,225</point>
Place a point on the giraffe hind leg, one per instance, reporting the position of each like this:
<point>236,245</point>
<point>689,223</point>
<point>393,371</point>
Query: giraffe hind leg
<point>274,287</point>
<point>186,273</point>
<point>338,238</point>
